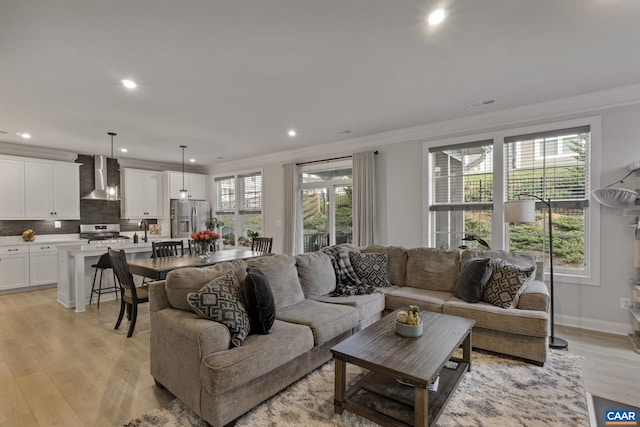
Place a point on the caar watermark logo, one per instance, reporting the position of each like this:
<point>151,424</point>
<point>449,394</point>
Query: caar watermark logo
<point>621,417</point>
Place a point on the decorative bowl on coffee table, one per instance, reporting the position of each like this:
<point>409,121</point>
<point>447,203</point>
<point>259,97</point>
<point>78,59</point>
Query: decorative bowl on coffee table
<point>409,331</point>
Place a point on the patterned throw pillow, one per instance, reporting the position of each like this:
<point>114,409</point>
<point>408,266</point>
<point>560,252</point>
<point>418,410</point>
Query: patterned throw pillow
<point>505,283</point>
<point>219,300</point>
<point>371,268</point>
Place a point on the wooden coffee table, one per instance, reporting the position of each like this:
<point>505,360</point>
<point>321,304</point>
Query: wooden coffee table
<point>401,369</point>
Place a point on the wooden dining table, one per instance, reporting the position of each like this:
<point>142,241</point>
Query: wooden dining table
<point>158,268</point>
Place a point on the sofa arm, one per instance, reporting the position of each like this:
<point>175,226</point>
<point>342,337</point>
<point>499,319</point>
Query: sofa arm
<point>158,296</point>
<point>535,296</point>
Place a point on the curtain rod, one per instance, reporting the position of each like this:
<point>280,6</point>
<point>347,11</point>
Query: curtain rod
<point>328,160</point>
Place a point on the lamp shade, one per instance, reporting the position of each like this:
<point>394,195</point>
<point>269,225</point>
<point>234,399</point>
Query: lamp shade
<point>520,211</point>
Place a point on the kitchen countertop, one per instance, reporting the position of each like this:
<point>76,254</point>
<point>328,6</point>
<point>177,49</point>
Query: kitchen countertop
<point>42,238</point>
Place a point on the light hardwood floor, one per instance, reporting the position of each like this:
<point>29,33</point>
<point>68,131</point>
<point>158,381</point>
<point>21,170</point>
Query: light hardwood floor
<point>62,368</point>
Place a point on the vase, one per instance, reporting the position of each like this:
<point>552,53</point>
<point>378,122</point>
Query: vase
<point>204,250</point>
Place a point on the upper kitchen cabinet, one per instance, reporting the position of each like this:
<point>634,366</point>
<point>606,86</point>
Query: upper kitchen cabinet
<point>11,188</point>
<point>51,190</point>
<point>142,193</point>
<point>196,185</point>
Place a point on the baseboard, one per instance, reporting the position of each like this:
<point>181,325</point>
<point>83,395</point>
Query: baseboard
<point>594,324</point>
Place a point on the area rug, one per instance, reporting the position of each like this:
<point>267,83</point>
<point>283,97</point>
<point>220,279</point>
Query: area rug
<point>497,392</point>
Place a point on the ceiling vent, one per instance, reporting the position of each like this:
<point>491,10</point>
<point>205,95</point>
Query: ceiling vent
<point>482,103</point>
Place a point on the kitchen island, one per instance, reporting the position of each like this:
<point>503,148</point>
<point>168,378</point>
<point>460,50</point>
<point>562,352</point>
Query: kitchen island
<point>75,274</point>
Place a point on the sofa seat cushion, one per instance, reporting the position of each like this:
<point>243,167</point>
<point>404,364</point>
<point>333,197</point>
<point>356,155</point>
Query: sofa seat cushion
<point>488,316</point>
<point>433,269</point>
<point>183,281</point>
<point>403,297</point>
<point>226,370</point>
<point>367,305</point>
<point>326,321</point>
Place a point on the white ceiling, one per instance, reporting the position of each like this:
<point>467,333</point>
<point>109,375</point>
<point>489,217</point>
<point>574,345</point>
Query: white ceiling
<point>229,78</point>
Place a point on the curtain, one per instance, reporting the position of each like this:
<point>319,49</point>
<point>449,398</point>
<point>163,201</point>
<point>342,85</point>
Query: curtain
<point>364,176</point>
<point>292,210</point>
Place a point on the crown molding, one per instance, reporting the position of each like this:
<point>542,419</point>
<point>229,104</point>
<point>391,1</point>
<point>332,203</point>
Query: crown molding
<point>529,114</point>
<point>11,149</point>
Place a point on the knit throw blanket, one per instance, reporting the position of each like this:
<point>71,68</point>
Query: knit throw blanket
<point>347,281</point>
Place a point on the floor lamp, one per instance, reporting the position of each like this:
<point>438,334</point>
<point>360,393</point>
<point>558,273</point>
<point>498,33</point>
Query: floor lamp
<point>524,211</point>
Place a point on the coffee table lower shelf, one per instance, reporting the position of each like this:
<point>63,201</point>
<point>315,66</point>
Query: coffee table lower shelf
<point>388,402</point>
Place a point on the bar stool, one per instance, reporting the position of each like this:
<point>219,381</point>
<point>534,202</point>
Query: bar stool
<point>104,263</point>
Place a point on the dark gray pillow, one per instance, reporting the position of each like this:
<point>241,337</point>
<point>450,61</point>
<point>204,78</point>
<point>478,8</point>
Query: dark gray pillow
<point>258,298</point>
<point>472,279</point>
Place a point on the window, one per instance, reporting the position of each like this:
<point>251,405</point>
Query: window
<point>239,206</point>
<point>465,193</point>
<point>461,193</point>
<point>326,205</point>
<point>539,171</point>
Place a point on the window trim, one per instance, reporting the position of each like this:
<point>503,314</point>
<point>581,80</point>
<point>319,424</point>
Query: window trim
<point>591,274</point>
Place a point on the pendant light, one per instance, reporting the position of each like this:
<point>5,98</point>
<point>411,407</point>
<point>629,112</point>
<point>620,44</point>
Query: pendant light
<point>184,194</point>
<point>112,189</point>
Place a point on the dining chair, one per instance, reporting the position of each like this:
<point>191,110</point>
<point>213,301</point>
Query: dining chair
<point>262,244</point>
<point>167,248</point>
<point>131,295</point>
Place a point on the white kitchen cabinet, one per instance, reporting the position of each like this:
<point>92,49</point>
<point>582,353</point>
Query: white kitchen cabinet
<point>43,264</point>
<point>11,188</point>
<point>51,190</point>
<point>142,192</point>
<point>14,267</point>
<point>196,185</point>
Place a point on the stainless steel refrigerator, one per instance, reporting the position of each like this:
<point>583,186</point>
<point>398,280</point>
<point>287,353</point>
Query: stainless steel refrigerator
<point>188,217</point>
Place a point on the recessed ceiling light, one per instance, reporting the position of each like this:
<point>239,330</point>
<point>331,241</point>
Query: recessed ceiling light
<point>437,16</point>
<point>129,84</point>
<point>291,132</point>
<point>124,150</point>
<point>24,135</point>
<point>192,160</point>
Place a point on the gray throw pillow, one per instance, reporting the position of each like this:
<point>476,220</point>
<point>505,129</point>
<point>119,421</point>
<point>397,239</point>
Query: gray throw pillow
<point>219,300</point>
<point>472,279</point>
<point>505,283</point>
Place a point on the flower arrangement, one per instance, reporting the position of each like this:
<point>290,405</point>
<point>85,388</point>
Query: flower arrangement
<point>28,235</point>
<point>205,238</point>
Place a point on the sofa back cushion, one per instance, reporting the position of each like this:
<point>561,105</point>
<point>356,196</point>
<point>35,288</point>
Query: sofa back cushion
<point>517,258</point>
<point>183,281</point>
<point>281,272</point>
<point>396,262</point>
<point>433,269</point>
<point>316,274</point>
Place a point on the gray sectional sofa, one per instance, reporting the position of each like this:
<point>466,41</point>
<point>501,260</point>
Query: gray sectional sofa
<point>192,357</point>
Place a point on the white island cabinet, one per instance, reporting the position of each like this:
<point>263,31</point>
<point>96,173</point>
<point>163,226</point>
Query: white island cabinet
<point>43,264</point>
<point>75,274</point>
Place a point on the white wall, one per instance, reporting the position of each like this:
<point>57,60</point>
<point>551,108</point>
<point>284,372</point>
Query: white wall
<point>400,196</point>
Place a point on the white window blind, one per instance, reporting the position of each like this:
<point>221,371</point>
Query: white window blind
<point>461,192</point>
<point>225,195</point>
<point>551,165</point>
<point>250,192</point>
